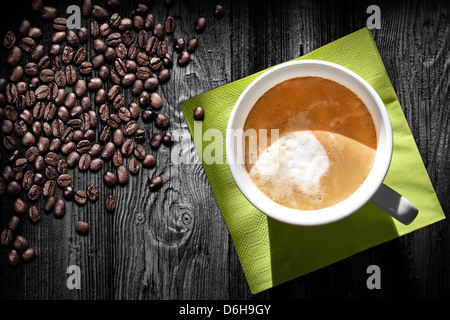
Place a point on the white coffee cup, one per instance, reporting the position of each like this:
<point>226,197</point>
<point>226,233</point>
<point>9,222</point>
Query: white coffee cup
<point>372,189</point>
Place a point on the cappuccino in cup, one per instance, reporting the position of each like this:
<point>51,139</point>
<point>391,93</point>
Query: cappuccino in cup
<point>325,147</point>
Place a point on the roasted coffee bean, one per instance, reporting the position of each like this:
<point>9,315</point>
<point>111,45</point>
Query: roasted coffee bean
<point>139,152</point>
<point>110,178</point>
<point>13,223</point>
<point>164,75</point>
<point>6,237</point>
<point>83,146</point>
<point>99,13</point>
<point>34,193</point>
<point>68,193</point>
<point>124,114</point>
<point>142,39</point>
<point>144,98</point>
<point>155,100</point>
<point>104,29</point>
<point>125,24</point>
<point>64,180</point>
<point>58,36</point>
<point>156,183</point>
<point>94,83</point>
<point>133,165</point>
<point>110,203</point>
<point>103,73</point>
<point>60,24</point>
<point>149,161</point>
<point>20,127</point>
<point>28,139</point>
<point>20,206</point>
<point>121,67</point>
<point>122,175</point>
<point>95,29</point>
<point>167,60</point>
<point>37,53</point>
<point>80,197</point>
<point>155,63</point>
<point>71,74</point>
<point>27,44</point>
<point>100,96</point>
<point>142,59</point>
<point>199,114</point>
<point>92,192</point>
<point>156,140</point>
<point>72,159</point>
<point>158,31</point>
<point>143,73</point>
<point>183,58</point>
<point>139,135</point>
<point>114,39</point>
<point>28,254</point>
<point>127,147</point>
<point>62,166</point>
<point>138,22</point>
<point>108,150</point>
<point>49,13</point>
<point>200,25</point>
<point>114,77</point>
<point>67,54</point>
<point>82,227</point>
<point>80,87</point>
<point>51,159</point>
<point>162,49</point>
<point>84,162</point>
<point>49,204</point>
<point>162,121</point>
<point>14,56</point>
<point>8,173</point>
<point>9,143</point>
<point>30,98</point>
<point>47,75</point>
<point>151,84</point>
<point>16,73</point>
<point>39,164</point>
<point>152,45</point>
<point>80,56</point>
<point>128,79</point>
<point>137,87</point>
<point>219,11</point>
<point>192,45</point>
<point>113,91</point>
<point>9,40</point>
<point>72,38</point>
<point>148,115</point>
<point>118,102</point>
<point>130,128</point>
<point>59,208</point>
<point>33,214</point>
<point>96,164</point>
<point>121,51</point>
<point>42,92</point>
<point>13,258</point>
<point>169,25</point>
<point>67,147</point>
<point>24,26</point>
<point>86,8</point>
<point>118,137</point>
<point>20,164</point>
<point>86,68</point>
<point>49,188</point>
<point>105,134</point>
<point>83,34</point>
<point>115,20</point>
<point>55,50</point>
<point>117,159</point>
<point>179,44</point>
<point>135,111</point>
<point>27,180</point>
<point>20,243</point>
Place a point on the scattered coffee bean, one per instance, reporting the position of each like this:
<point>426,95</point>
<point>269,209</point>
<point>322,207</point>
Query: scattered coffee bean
<point>80,197</point>
<point>200,24</point>
<point>82,227</point>
<point>28,254</point>
<point>59,208</point>
<point>199,114</point>
<point>33,214</point>
<point>13,258</point>
<point>20,243</point>
<point>155,183</point>
<point>110,203</point>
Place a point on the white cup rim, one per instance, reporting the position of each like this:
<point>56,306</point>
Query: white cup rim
<point>367,189</point>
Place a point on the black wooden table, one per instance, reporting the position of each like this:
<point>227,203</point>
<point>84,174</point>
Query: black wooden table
<point>174,243</point>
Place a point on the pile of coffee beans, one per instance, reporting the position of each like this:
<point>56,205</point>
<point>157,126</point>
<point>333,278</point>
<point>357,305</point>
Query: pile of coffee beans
<point>50,123</point>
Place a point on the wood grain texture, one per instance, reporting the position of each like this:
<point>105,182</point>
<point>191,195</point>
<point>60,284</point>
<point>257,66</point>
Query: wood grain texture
<point>174,243</point>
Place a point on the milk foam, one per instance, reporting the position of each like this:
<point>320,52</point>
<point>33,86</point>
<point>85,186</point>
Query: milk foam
<point>297,159</point>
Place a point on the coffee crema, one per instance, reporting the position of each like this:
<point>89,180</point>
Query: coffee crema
<point>326,146</point>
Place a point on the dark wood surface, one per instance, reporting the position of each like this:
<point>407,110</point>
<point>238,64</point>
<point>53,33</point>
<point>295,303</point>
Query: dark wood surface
<point>174,243</point>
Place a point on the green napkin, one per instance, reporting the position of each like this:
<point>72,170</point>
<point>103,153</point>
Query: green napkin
<point>272,252</point>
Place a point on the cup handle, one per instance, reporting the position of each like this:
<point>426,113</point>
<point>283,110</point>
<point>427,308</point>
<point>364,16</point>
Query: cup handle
<point>395,204</point>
